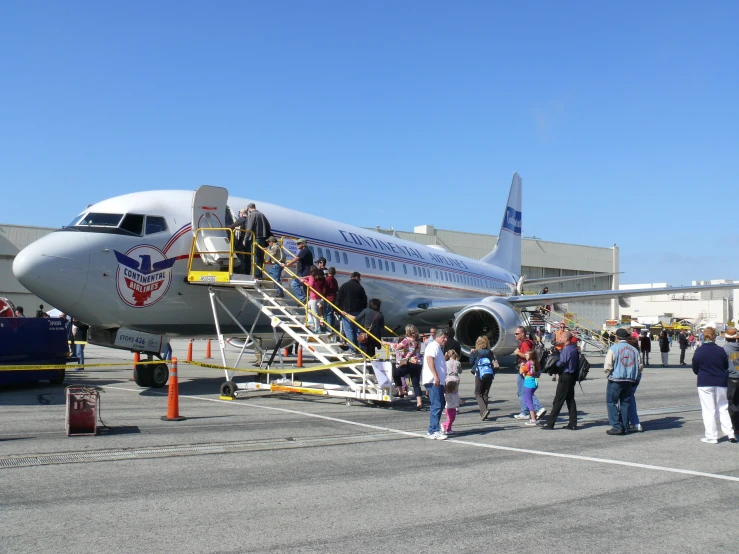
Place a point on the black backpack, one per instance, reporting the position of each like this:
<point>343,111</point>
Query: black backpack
<point>583,367</point>
<point>541,354</point>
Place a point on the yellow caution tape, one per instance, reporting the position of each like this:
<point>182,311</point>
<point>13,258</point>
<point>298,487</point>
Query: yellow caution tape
<point>72,366</point>
<point>275,371</point>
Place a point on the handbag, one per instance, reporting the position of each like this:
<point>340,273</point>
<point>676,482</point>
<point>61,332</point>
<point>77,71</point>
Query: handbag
<point>363,338</point>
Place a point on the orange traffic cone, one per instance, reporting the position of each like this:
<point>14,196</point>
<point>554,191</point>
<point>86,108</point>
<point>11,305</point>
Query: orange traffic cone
<point>207,351</point>
<point>300,357</point>
<point>136,360</point>
<point>173,399</point>
<point>189,351</point>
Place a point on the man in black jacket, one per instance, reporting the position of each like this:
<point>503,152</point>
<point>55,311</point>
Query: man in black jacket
<point>683,343</point>
<point>351,299</point>
<point>258,224</point>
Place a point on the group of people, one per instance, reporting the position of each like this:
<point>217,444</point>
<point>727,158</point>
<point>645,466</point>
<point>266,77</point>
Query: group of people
<point>437,368</point>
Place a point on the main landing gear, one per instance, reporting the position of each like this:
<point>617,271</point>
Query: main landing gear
<point>151,375</point>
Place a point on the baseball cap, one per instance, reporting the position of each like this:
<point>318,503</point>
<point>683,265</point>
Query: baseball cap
<point>622,334</point>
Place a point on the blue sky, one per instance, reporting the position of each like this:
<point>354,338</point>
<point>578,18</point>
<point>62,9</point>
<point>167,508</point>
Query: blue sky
<point>622,118</point>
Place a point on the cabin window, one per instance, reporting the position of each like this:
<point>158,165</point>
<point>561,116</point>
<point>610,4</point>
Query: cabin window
<point>387,266</point>
<point>133,223</point>
<point>373,263</point>
<point>343,254</point>
<point>405,269</point>
<point>414,271</point>
<point>328,255</point>
<point>155,224</point>
<point>320,252</point>
<point>379,263</point>
<point>393,265</point>
<point>366,260</point>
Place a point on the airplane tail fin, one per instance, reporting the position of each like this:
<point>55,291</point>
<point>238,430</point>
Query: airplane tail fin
<point>507,251</point>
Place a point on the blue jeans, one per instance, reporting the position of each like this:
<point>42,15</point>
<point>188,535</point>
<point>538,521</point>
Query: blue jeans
<point>80,353</point>
<point>633,416</point>
<point>618,398</point>
<point>524,407</point>
<point>328,316</point>
<point>275,271</point>
<point>350,331</point>
<point>167,351</point>
<point>299,289</point>
<point>436,396</point>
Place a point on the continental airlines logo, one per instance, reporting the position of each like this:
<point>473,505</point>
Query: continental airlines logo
<point>512,220</point>
<point>144,275</point>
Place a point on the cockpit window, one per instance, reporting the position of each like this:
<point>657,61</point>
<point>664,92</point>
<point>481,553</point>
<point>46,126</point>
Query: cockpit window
<point>133,223</point>
<point>155,224</point>
<point>75,220</point>
<point>100,220</point>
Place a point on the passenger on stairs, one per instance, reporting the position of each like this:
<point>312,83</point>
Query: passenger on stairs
<point>276,256</point>
<point>303,262</point>
<point>371,318</point>
<point>332,288</point>
<point>260,229</point>
<point>317,284</point>
<point>351,299</point>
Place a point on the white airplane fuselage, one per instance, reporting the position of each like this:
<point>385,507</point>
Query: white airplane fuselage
<point>78,271</point>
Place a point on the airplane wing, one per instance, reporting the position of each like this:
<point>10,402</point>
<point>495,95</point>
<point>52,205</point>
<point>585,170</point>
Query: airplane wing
<point>540,299</point>
<point>437,312</point>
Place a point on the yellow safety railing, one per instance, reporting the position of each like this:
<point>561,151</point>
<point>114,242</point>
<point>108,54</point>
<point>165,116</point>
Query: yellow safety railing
<point>307,308</point>
<point>294,256</point>
<point>193,275</point>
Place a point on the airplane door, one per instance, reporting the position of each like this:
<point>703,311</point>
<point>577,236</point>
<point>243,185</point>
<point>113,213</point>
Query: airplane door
<point>209,211</point>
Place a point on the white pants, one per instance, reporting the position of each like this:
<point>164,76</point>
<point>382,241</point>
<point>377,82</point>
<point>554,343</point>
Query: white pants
<point>713,402</point>
<point>314,322</point>
<point>664,357</point>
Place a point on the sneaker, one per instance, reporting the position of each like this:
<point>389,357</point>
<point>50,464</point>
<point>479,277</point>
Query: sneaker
<point>450,432</point>
<point>615,431</point>
<point>733,439</point>
<point>639,429</point>
<point>709,441</point>
<point>440,436</point>
<point>430,435</point>
<point>485,415</point>
<point>541,413</point>
<point>521,416</point>
<point>531,423</point>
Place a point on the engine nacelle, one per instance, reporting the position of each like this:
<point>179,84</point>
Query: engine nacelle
<point>493,317</point>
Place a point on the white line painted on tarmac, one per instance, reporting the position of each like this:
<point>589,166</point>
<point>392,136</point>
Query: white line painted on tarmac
<point>453,441</point>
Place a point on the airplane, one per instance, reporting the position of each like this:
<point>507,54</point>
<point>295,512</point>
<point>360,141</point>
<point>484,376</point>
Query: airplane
<point>121,266</point>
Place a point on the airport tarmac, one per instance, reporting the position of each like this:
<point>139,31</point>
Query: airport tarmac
<point>303,474</point>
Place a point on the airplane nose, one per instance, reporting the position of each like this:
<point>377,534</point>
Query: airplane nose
<point>55,268</point>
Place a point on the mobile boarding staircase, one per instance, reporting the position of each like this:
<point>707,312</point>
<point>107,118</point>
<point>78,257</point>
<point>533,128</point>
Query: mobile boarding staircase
<point>211,263</point>
<point>586,331</point>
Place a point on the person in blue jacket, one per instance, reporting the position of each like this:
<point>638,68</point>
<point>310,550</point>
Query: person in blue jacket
<point>711,365</point>
<point>569,362</point>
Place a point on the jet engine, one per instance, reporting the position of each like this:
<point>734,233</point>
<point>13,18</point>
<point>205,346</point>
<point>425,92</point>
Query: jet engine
<point>493,317</point>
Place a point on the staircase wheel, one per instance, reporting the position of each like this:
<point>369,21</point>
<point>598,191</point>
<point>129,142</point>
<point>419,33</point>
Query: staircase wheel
<point>228,389</point>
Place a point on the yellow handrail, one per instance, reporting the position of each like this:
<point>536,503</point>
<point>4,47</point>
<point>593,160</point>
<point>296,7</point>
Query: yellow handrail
<point>231,251</point>
<point>307,308</point>
<point>336,307</point>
